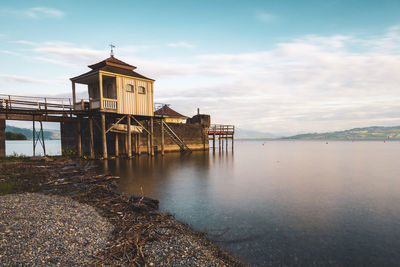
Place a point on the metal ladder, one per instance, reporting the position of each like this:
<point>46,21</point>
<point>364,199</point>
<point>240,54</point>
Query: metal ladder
<point>175,138</point>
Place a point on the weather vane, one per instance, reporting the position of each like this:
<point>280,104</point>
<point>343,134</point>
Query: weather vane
<point>112,51</point>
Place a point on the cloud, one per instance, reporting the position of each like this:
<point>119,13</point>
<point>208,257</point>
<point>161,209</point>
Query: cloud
<point>181,45</point>
<point>311,83</point>
<point>43,12</point>
<point>265,17</point>
<point>21,79</point>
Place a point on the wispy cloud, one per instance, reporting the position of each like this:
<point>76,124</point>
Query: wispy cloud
<point>181,45</point>
<point>265,17</point>
<point>43,12</point>
<point>36,12</point>
<point>21,79</point>
<point>311,83</point>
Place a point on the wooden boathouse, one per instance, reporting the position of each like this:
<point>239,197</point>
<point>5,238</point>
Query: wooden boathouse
<point>118,117</point>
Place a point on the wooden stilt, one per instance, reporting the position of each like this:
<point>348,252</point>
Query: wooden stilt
<point>91,138</point>
<point>148,138</point>
<point>116,145</point>
<point>2,138</point>
<point>232,142</point>
<point>43,144</point>
<point>34,136</point>
<point>162,138</point>
<point>138,144</point>
<point>103,133</point>
<point>79,137</point>
<point>214,140</point>
<point>129,137</point>
<point>219,142</point>
<point>151,136</point>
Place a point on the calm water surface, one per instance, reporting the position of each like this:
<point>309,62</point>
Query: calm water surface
<point>285,202</point>
<point>25,148</point>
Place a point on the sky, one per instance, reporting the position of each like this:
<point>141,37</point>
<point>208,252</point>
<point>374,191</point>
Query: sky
<point>280,67</point>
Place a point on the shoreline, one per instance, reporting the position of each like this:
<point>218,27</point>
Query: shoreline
<point>142,235</point>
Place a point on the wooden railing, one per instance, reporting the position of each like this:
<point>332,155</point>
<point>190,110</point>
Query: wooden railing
<point>8,102</point>
<point>221,129</point>
<point>109,103</point>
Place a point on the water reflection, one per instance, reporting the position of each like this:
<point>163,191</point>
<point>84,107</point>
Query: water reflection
<point>284,202</point>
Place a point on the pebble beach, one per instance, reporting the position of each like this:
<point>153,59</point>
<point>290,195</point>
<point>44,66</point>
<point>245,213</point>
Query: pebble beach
<point>61,212</point>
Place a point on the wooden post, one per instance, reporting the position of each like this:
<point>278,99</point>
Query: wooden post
<point>79,137</point>
<point>233,132</point>
<point>101,90</point>
<point>103,133</point>
<point>138,143</point>
<point>2,138</point>
<point>129,137</point>
<point>219,141</point>
<point>151,136</point>
<point>214,140</point>
<point>73,95</point>
<point>222,137</point>
<point>91,138</point>
<point>116,145</point>
<point>33,136</point>
<point>162,137</point>
<point>148,138</point>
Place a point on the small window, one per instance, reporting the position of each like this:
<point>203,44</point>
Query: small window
<point>141,90</point>
<point>130,88</point>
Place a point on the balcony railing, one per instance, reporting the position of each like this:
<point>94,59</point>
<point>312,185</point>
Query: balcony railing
<point>109,103</point>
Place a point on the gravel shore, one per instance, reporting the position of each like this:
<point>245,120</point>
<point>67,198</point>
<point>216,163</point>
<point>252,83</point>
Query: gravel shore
<point>37,229</point>
<point>76,217</point>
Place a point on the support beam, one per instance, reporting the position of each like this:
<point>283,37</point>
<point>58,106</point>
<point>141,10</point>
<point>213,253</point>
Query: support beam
<point>138,144</point>
<point>148,139</point>
<point>2,138</point>
<point>129,137</point>
<point>162,137</point>
<point>116,145</point>
<point>91,138</point>
<point>152,136</point>
<point>73,94</point>
<point>103,133</point>
<point>33,135</point>
<point>214,141</point>
<point>79,137</point>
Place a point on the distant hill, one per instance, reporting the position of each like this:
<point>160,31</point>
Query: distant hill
<point>375,132</point>
<point>249,134</point>
<point>48,134</point>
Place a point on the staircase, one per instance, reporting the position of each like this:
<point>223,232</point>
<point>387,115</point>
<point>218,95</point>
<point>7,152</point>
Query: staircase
<point>175,138</point>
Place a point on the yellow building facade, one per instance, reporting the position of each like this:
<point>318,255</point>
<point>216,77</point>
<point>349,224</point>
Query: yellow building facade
<point>114,86</point>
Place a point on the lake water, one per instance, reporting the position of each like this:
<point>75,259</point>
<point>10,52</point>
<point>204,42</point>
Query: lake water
<point>304,203</point>
<point>285,202</point>
<point>53,147</point>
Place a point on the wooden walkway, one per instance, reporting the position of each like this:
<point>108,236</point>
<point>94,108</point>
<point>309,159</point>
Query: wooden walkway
<point>222,133</point>
<point>28,108</point>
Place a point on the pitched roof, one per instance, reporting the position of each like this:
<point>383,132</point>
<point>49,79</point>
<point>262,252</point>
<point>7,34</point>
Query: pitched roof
<point>113,65</point>
<point>112,61</point>
<point>169,112</point>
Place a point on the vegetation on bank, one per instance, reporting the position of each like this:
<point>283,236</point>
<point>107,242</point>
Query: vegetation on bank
<point>15,136</point>
<point>48,134</point>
